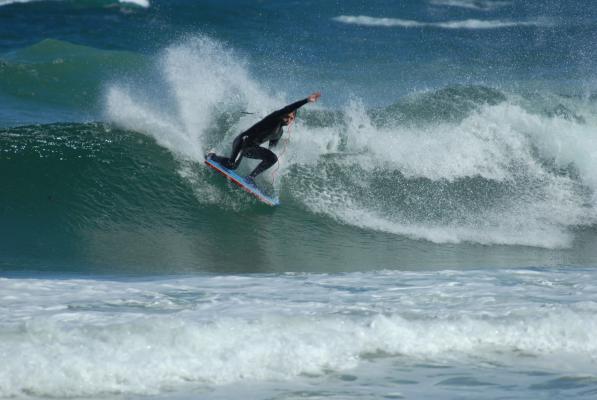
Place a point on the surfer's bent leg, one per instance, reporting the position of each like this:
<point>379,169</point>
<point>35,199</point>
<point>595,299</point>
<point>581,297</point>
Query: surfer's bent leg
<point>234,160</point>
<point>267,157</point>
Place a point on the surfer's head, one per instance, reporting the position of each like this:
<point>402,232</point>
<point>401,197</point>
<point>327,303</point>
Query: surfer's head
<point>288,118</point>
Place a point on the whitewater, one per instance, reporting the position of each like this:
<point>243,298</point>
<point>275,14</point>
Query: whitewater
<point>307,333</point>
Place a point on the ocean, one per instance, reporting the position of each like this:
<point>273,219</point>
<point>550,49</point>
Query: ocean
<point>437,233</point>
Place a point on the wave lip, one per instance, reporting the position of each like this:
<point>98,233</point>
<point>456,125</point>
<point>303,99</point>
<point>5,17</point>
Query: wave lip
<point>364,20</point>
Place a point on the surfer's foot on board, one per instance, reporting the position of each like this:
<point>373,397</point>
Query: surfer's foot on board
<point>250,180</point>
<point>210,154</point>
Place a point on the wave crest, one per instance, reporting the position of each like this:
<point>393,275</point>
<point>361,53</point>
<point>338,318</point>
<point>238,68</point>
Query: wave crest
<point>363,20</point>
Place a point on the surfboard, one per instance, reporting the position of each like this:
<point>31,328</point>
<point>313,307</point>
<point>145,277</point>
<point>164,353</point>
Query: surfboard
<point>242,183</point>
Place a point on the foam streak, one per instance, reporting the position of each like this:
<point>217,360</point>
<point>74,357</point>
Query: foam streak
<point>363,20</point>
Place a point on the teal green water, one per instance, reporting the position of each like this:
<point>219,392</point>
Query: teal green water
<point>87,197</point>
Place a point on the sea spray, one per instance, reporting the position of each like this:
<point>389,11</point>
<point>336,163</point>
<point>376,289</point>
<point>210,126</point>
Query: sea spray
<point>203,79</point>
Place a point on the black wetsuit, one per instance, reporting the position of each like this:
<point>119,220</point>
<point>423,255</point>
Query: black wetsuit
<point>247,144</point>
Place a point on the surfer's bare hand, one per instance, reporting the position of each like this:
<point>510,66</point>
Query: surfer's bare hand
<point>314,97</point>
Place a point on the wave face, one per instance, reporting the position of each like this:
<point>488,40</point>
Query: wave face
<point>459,165</point>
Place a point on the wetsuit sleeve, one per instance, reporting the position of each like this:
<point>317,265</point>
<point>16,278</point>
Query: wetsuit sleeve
<point>261,130</point>
<point>290,108</point>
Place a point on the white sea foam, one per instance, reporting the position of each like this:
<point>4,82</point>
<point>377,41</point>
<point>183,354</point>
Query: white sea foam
<point>140,3</point>
<point>75,338</point>
<point>202,79</point>
<point>364,20</point>
<point>479,5</point>
<point>504,144</point>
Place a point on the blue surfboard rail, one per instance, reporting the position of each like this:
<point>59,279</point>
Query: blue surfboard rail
<point>242,183</point>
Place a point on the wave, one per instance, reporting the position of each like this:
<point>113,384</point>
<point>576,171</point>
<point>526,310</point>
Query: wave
<point>268,348</point>
<point>478,5</point>
<point>363,20</point>
<point>483,172</point>
<point>495,177</point>
<point>90,336</point>
<point>459,164</point>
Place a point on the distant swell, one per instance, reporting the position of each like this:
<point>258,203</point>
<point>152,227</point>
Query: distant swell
<point>139,3</point>
<point>363,20</point>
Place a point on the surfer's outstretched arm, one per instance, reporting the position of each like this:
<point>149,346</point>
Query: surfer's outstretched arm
<point>274,119</point>
<point>296,105</point>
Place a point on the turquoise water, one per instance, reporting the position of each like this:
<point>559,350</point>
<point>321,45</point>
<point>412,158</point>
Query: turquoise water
<point>436,234</point>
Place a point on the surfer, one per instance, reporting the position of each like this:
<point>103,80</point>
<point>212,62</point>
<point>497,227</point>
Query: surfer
<point>247,144</point>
